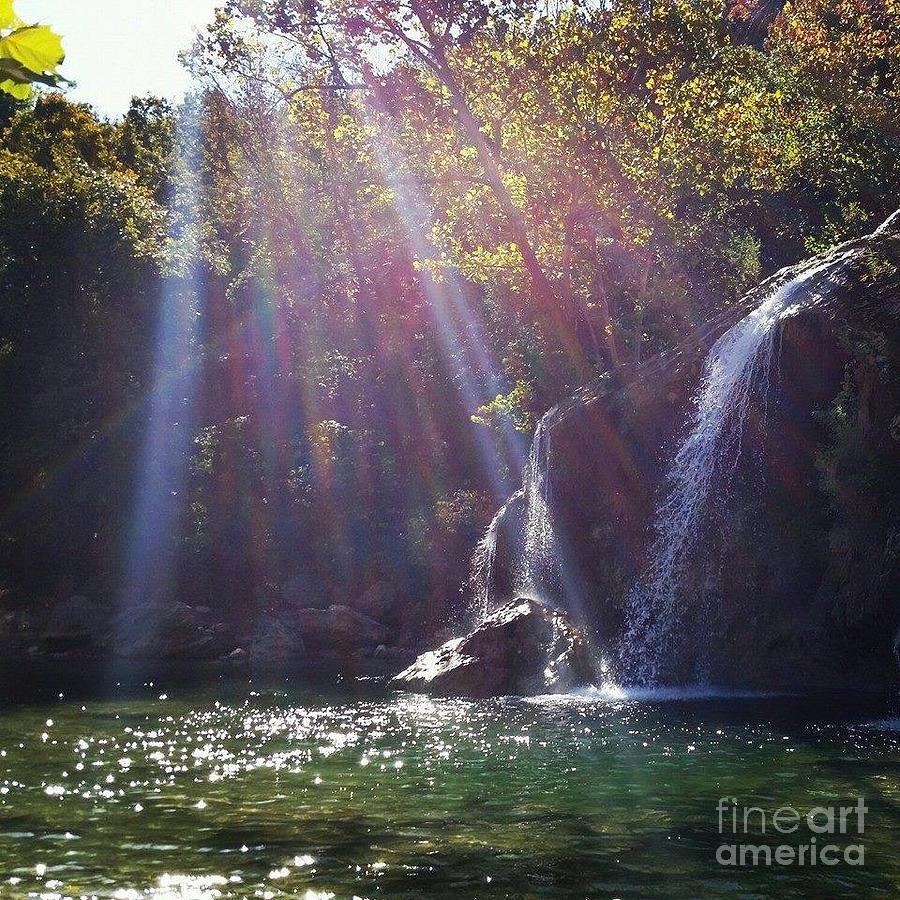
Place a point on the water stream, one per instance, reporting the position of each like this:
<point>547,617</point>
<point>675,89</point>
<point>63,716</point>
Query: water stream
<point>483,559</point>
<point>736,371</point>
<point>538,556</point>
<point>538,564</point>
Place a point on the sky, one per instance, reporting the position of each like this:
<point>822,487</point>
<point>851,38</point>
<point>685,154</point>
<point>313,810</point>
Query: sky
<point>118,48</point>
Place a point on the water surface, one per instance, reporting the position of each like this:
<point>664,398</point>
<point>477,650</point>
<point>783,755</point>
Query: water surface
<point>265,791</point>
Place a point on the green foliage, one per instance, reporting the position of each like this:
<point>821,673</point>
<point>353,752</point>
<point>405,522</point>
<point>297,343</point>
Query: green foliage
<point>845,455</point>
<point>80,242</point>
<point>512,408</point>
<point>742,251</point>
<point>379,217</point>
<point>463,510</point>
<point>146,142</point>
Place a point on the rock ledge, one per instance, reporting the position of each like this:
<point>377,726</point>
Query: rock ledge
<point>525,648</point>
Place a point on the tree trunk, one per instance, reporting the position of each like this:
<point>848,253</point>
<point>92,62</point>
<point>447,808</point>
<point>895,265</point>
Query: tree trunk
<point>549,302</point>
<point>639,313</point>
<point>435,58</point>
<point>598,293</point>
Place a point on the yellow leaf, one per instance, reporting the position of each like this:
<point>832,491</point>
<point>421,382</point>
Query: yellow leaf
<point>36,47</point>
<point>8,18</point>
<point>19,91</point>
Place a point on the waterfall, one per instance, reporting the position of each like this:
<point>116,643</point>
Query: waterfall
<point>482,577</point>
<point>538,565</point>
<point>537,561</point>
<point>537,555</point>
<point>737,368</point>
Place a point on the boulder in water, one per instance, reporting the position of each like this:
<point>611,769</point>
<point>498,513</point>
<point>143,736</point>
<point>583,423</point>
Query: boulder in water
<point>75,625</point>
<point>332,638</point>
<point>523,648</point>
<point>339,631</point>
<point>277,641</point>
<point>173,630</point>
<point>382,601</point>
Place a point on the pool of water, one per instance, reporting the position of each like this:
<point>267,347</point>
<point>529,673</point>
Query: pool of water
<point>244,789</point>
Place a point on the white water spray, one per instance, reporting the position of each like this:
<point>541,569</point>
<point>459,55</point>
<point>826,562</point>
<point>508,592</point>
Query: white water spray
<point>737,367</point>
<point>482,577</point>
<point>537,561</point>
<point>538,564</point>
<point>537,555</point>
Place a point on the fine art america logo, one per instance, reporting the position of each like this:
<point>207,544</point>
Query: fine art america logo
<point>820,836</point>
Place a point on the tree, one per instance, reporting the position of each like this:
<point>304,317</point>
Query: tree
<point>355,288</point>
<point>80,256</point>
<point>334,47</point>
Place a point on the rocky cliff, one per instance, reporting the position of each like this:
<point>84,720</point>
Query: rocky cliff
<point>793,580</point>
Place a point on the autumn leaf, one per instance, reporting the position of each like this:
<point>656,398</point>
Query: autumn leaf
<point>8,18</point>
<point>19,90</point>
<point>36,47</point>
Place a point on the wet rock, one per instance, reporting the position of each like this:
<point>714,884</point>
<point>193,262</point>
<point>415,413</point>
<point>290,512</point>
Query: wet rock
<point>380,601</point>
<point>76,624</point>
<point>334,637</point>
<point>169,631</point>
<point>399,606</point>
<point>393,657</point>
<point>340,629</point>
<point>277,640</point>
<point>523,648</point>
<point>794,575</point>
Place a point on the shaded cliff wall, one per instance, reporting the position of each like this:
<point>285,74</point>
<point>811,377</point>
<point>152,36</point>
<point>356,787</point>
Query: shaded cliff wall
<point>794,580</point>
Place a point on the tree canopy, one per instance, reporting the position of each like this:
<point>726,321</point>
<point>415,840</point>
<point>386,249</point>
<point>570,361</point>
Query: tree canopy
<point>392,235</point>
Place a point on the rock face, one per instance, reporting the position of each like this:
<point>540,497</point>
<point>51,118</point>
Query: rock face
<point>523,648</point>
<point>794,580</point>
<point>336,637</point>
<point>169,631</point>
<point>74,625</point>
<point>283,637</point>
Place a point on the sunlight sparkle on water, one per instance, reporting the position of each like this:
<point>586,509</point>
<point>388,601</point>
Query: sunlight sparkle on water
<point>268,796</point>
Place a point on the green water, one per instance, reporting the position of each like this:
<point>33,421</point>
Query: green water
<point>251,791</point>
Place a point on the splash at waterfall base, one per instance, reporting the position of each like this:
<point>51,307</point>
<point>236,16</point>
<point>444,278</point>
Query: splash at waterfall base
<point>786,575</point>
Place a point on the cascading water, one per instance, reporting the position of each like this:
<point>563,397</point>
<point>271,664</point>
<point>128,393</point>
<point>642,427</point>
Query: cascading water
<point>538,565</point>
<point>537,556</point>
<point>482,576</point>
<point>736,375</point>
<point>537,561</point>
<point>737,367</point>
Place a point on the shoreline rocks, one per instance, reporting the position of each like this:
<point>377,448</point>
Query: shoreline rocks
<point>524,648</point>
